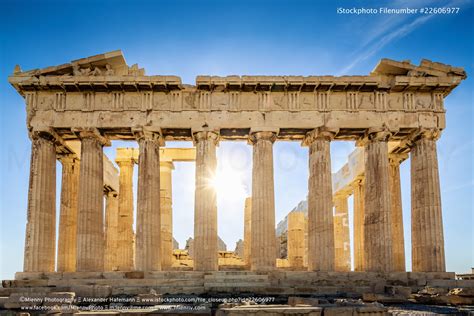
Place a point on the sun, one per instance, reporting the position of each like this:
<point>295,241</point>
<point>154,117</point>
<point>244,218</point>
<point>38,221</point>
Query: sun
<point>229,184</point>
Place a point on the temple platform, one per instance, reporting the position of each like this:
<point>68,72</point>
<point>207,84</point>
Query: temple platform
<point>347,284</point>
<point>277,292</point>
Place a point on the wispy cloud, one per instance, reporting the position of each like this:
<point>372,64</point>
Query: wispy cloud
<point>377,40</point>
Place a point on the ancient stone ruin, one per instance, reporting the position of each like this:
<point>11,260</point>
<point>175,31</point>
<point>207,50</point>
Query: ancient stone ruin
<point>75,109</point>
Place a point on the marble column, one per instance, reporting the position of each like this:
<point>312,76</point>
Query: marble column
<point>263,236</point>
<point>342,244</point>
<point>398,241</point>
<point>90,210</point>
<point>359,255</point>
<point>68,214</point>
<point>296,239</point>
<point>247,230</point>
<point>205,252</point>
<point>377,212</point>
<point>320,213</point>
<point>40,240</point>
<point>125,220</point>
<point>166,207</point>
<point>426,215</point>
<point>148,250</point>
<point>111,230</point>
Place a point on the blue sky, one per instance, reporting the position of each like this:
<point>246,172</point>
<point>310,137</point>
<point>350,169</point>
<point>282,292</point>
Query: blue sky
<point>274,37</point>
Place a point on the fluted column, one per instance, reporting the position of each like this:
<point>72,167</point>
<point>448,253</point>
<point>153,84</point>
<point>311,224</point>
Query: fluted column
<point>166,205</point>
<point>68,214</point>
<point>90,210</point>
<point>125,219</point>
<point>359,255</point>
<point>247,229</point>
<point>148,250</point>
<point>342,242</point>
<point>40,241</point>
<point>295,241</point>
<point>427,223</point>
<point>398,241</point>
<point>111,230</point>
<point>377,212</point>
<point>320,214</point>
<point>263,238</point>
<point>205,204</point>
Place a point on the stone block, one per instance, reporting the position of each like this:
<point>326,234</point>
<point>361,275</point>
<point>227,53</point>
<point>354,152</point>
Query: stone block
<point>296,300</point>
<point>19,300</point>
<point>440,275</point>
<point>383,298</point>
<point>59,298</point>
<point>465,283</point>
<point>399,290</point>
<point>3,300</point>
<point>441,283</point>
<point>29,275</point>
<point>114,275</point>
<point>338,311</point>
<point>462,292</point>
<point>457,300</point>
<point>371,310</point>
<point>8,283</point>
<point>92,290</point>
<point>148,299</point>
<point>30,283</point>
<point>82,275</point>
<point>135,275</point>
<point>53,275</point>
<point>429,290</point>
<point>416,279</point>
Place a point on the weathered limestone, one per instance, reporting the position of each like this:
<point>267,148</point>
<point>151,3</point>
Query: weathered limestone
<point>166,197</point>
<point>359,254</point>
<point>398,240</point>
<point>377,210</point>
<point>247,230</point>
<point>40,240</point>
<point>296,239</point>
<point>102,94</point>
<point>148,247</point>
<point>427,223</point>
<point>205,203</point>
<point>320,215</point>
<point>68,214</point>
<point>263,239</point>
<point>90,228</point>
<point>125,257</point>
<point>111,231</point>
<point>342,245</point>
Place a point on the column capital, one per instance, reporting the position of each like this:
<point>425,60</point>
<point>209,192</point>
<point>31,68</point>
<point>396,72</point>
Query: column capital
<point>424,133</point>
<point>143,133</point>
<point>397,159</point>
<point>126,156</point>
<point>83,133</point>
<point>166,165</point>
<point>360,180</point>
<point>205,135</point>
<point>320,133</point>
<point>376,134</point>
<point>262,135</point>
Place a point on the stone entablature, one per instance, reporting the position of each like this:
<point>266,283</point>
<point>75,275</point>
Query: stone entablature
<point>103,92</point>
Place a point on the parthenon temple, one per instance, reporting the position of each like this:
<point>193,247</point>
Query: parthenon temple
<point>76,109</point>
